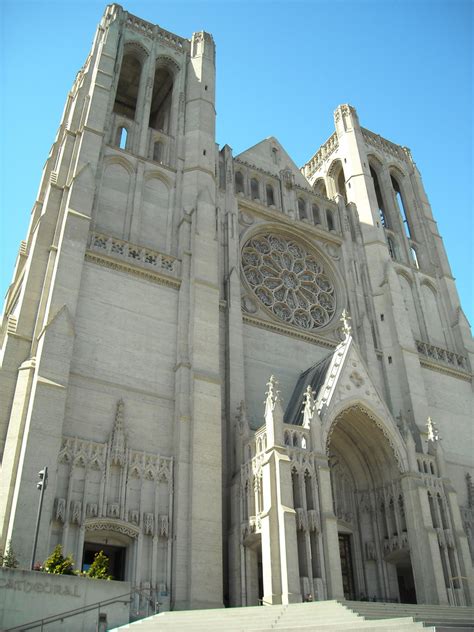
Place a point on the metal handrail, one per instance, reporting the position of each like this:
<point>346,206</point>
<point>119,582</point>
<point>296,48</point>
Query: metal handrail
<point>72,613</point>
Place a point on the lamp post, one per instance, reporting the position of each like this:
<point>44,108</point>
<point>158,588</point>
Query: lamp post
<point>41,485</point>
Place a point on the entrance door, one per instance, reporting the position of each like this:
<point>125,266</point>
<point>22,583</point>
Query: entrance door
<point>346,565</point>
<point>116,555</point>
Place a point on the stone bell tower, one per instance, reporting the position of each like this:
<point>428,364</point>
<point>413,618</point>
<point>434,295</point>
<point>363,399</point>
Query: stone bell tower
<point>114,306</point>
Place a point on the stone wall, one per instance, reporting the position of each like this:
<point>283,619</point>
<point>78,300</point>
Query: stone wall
<point>29,595</point>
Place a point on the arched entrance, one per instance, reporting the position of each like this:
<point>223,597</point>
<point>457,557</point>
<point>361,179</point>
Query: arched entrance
<point>370,510</point>
<point>117,540</point>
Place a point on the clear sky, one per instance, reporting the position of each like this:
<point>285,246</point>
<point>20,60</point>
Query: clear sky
<point>282,68</point>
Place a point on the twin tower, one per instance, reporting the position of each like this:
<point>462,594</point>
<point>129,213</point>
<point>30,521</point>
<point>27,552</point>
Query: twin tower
<point>162,282</point>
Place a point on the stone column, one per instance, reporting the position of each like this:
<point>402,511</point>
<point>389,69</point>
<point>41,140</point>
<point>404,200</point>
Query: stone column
<point>424,549</point>
<point>332,558</point>
<point>279,547</point>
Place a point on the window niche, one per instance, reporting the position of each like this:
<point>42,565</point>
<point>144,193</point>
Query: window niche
<point>128,85</point>
<point>301,209</point>
<point>158,151</point>
<point>239,182</point>
<point>254,189</point>
<point>316,215</point>
<point>160,110</point>
<point>330,219</point>
<point>270,195</point>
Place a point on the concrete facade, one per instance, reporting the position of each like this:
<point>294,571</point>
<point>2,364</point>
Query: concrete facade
<point>164,282</point>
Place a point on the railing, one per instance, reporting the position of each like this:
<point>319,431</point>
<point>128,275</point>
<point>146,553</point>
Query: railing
<point>126,598</point>
<point>328,148</point>
<point>145,257</point>
<point>40,623</point>
<point>438,354</point>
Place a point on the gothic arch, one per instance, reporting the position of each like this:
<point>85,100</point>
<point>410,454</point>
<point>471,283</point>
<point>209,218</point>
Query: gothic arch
<point>137,48</point>
<point>165,61</point>
<point>387,429</point>
<point>119,160</point>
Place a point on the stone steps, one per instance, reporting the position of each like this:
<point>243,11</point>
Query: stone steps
<point>323,616</point>
<point>429,614</point>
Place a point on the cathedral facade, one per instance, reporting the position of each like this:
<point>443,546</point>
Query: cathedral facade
<point>250,382</point>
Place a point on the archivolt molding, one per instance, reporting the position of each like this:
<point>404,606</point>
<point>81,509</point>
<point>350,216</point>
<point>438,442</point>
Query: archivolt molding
<point>158,175</point>
<point>391,434</point>
<point>117,526</point>
<point>136,47</point>
<point>119,160</point>
<point>165,61</point>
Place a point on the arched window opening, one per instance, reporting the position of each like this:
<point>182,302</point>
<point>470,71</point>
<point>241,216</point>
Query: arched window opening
<point>442,513</point>
<point>434,517</point>
<point>309,491</point>
<point>340,183</point>
<point>330,219</point>
<point>401,207</point>
<point>158,151</point>
<point>378,195</point>
<point>301,209</point>
<point>254,189</point>
<point>401,511</point>
<point>270,195</point>
<point>239,182</point>
<point>160,111</point>
<point>414,257</point>
<point>287,439</point>
<point>295,440</point>
<point>320,187</point>
<point>121,140</point>
<point>128,84</point>
<point>295,479</point>
<point>391,248</point>
<point>316,215</point>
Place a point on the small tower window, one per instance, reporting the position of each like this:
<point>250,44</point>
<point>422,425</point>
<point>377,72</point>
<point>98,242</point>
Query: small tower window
<point>239,182</point>
<point>270,195</point>
<point>316,215</point>
<point>158,151</point>
<point>275,155</point>
<point>254,189</point>
<point>414,257</point>
<point>122,134</point>
<point>301,209</point>
<point>402,207</point>
<point>330,219</point>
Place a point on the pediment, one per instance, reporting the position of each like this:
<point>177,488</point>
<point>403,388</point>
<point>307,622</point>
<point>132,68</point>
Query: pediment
<point>348,381</point>
<point>272,157</point>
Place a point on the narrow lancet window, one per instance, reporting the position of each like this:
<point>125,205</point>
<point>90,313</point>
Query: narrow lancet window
<point>239,182</point>
<point>270,195</point>
<point>378,195</point>
<point>401,207</point>
<point>301,209</point>
<point>160,111</point>
<point>254,189</point>
<point>122,134</point>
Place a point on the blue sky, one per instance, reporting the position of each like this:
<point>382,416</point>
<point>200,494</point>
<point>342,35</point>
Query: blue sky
<point>282,69</point>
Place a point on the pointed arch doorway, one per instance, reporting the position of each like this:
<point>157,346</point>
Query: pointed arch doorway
<point>369,506</point>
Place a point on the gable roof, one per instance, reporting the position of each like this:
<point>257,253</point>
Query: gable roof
<point>262,155</point>
<point>315,376</point>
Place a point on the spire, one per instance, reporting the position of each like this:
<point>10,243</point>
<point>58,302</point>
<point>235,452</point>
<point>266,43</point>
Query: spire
<point>309,406</point>
<point>273,414</point>
<point>432,431</point>
<point>117,438</point>
<point>242,420</point>
<point>346,324</point>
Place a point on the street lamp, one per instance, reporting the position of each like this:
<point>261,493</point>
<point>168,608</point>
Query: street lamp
<point>41,485</point>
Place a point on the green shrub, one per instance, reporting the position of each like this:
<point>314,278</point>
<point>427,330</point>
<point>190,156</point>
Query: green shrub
<point>57,564</point>
<point>99,569</point>
<point>8,559</point>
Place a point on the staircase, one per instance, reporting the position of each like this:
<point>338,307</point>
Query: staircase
<point>322,616</point>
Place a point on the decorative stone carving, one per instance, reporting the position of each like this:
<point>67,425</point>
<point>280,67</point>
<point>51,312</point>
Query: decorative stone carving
<point>163,525</point>
<point>357,379</point>
<point>148,523</point>
<point>76,512</point>
<point>134,516</point>
<point>113,510</point>
<point>60,509</point>
<point>301,520</point>
<point>92,510</point>
<point>432,431</point>
<point>118,439</point>
<point>112,525</point>
<point>313,520</point>
<point>370,551</point>
<point>289,280</point>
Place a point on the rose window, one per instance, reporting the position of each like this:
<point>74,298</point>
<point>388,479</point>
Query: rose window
<point>289,281</point>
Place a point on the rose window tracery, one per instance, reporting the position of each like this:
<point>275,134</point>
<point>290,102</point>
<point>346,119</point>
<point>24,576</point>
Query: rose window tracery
<point>289,280</point>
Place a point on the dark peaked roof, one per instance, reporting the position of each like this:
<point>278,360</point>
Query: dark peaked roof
<point>315,376</point>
